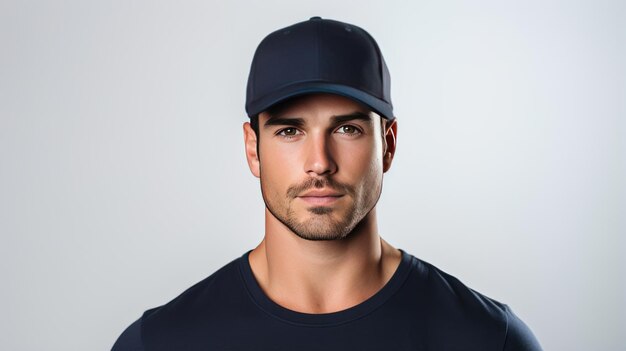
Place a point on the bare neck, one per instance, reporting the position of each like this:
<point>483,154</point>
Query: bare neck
<point>322,276</point>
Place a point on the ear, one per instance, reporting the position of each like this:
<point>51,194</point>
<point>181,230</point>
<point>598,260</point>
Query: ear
<point>391,134</point>
<point>250,141</point>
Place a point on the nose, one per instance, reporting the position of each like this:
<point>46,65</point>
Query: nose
<point>319,158</point>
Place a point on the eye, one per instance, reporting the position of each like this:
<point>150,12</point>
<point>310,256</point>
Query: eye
<point>288,132</point>
<point>349,130</point>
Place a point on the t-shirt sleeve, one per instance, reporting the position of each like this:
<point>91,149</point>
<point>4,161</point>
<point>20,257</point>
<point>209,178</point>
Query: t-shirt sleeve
<point>130,340</point>
<point>518,336</point>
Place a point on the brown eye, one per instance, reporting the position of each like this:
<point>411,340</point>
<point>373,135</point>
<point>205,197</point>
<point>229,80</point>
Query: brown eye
<point>289,131</point>
<point>348,129</point>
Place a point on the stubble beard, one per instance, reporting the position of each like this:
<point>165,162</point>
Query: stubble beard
<point>322,225</point>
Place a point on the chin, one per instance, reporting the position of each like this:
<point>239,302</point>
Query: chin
<point>320,236</point>
<point>322,230</point>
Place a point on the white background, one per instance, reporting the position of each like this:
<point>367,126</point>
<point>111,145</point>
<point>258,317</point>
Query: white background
<point>123,179</point>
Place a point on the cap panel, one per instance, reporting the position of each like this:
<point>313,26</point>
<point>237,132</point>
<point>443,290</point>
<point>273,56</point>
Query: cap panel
<point>348,57</point>
<point>323,56</point>
<point>283,57</point>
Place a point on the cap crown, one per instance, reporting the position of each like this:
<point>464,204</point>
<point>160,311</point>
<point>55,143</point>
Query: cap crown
<point>318,55</point>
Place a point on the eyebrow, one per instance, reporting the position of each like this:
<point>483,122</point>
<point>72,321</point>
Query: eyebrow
<point>299,122</point>
<point>284,121</point>
<point>360,116</point>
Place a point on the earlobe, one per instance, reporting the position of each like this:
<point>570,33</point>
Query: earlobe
<point>250,143</point>
<point>391,134</point>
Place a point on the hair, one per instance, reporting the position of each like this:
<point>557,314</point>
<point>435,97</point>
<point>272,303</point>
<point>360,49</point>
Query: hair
<point>254,123</point>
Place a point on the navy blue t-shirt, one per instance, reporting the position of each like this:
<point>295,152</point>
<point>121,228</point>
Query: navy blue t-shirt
<point>420,308</point>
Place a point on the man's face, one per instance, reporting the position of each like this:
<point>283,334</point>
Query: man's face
<point>320,162</point>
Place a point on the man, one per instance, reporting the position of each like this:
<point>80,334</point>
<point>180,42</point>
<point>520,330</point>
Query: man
<point>321,135</point>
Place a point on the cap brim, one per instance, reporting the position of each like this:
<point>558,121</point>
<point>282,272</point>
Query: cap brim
<point>377,105</point>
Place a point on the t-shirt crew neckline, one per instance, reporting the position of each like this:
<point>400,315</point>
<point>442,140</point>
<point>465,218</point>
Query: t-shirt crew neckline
<point>323,319</point>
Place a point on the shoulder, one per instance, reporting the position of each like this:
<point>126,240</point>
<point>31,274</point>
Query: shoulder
<point>447,294</point>
<point>216,285</point>
<point>130,340</point>
<point>211,295</point>
<point>518,336</point>
<point>460,315</point>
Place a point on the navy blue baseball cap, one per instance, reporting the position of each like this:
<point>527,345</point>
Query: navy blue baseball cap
<point>319,56</point>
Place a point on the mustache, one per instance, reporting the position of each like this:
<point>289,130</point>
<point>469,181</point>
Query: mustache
<point>319,183</point>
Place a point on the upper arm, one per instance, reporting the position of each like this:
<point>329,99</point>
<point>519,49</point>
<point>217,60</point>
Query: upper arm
<point>518,336</point>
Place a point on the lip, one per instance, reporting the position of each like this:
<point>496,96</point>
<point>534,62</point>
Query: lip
<point>321,193</point>
<point>320,196</point>
<point>320,200</point>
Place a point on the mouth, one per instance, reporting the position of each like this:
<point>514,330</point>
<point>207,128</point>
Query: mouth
<point>320,200</point>
<point>321,197</point>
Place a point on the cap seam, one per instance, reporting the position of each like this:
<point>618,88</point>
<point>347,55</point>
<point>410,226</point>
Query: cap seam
<point>318,41</point>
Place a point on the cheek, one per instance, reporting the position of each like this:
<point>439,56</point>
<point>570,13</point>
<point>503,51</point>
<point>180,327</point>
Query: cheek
<point>278,166</point>
<point>362,162</point>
